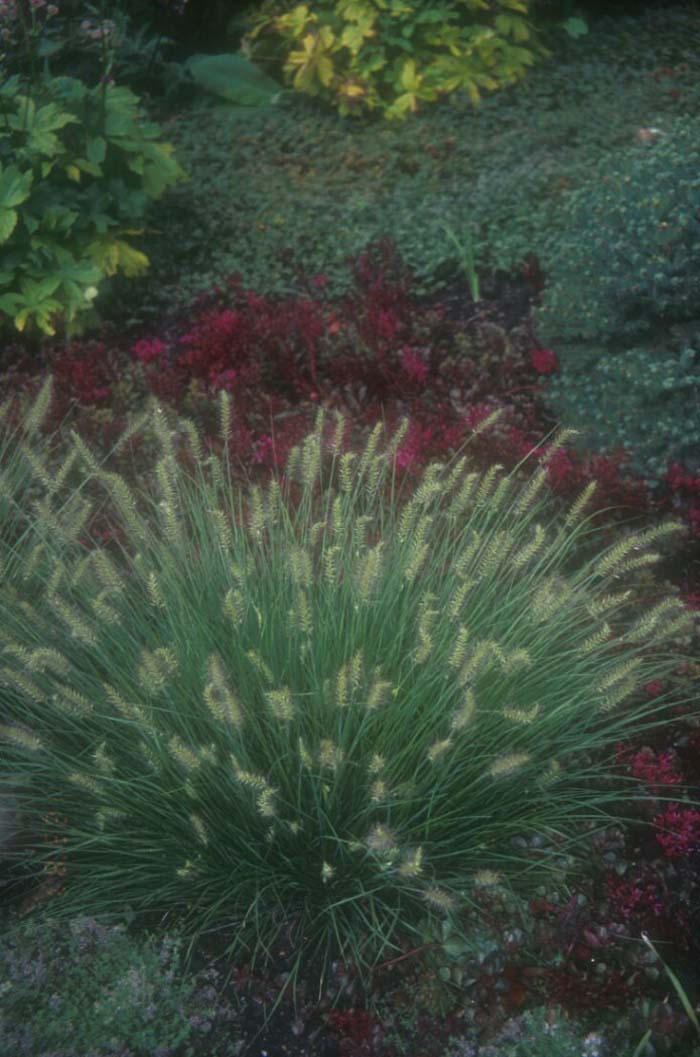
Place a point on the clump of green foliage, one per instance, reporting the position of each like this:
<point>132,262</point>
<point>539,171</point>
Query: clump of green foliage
<point>392,56</point>
<point>539,1033</point>
<point>91,987</point>
<point>627,267</point>
<point>293,188</point>
<point>645,400</point>
<point>621,307</point>
<point>78,168</point>
<point>324,709</point>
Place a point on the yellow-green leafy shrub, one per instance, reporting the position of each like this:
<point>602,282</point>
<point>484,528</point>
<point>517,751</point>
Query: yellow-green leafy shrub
<point>78,169</point>
<point>392,55</point>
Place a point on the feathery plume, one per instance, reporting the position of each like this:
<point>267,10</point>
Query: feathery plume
<point>85,782</point>
<point>234,606</point>
<point>21,737</point>
<point>506,765</point>
<point>189,759</point>
<point>438,749</point>
<point>577,508</point>
<point>440,899</point>
<point>330,755</point>
<point>370,571</point>
<point>464,715</point>
<point>486,879</point>
<point>598,638</point>
<point>225,417</point>
<point>199,828</point>
<point>523,716</point>
<point>260,665</point>
<point>411,864</point>
<point>381,840</point>
<point>377,692</point>
<point>529,550</point>
<point>219,698</point>
<point>281,704</point>
<point>156,669</point>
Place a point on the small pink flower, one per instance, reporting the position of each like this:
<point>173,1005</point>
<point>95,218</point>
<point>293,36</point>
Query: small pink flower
<point>680,831</point>
<point>414,365</point>
<point>149,350</point>
<point>388,324</point>
<point>224,380</point>
<point>656,770</point>
<point>319,282</point>
<point>476,415</point>
<point>544,361</point>
<point>561,469</point>
<point>262,449</point>
<point>654,688</point>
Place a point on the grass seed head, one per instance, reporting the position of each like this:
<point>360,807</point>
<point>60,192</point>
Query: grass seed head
<point>281,704</point>
<point>185,756</point>
<point>440,899</point>
<point>21,737</point>
<point>330,755</point>
<point>464,715</point>
<point>507,765</point>
<point>381,840</point>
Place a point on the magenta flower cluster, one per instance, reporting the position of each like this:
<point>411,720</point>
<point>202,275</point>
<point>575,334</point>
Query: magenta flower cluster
<point>678,831</point>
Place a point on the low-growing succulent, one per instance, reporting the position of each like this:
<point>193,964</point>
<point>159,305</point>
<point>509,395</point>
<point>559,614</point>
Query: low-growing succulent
<point>87,989</point>
<point>626,267</point>
<point>315,714</point>
<point>645,400</point>
<point>538,1033</point>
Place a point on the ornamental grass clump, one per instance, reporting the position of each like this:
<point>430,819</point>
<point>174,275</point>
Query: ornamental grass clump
<point>317,714</point>
<point>30,491</point>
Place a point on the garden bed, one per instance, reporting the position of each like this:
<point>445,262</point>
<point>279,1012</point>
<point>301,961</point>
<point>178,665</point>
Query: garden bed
<point>379,330</point>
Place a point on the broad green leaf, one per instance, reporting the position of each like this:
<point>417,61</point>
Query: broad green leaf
<point>50,117</point>
<point>234,78</point>
<point>24,118</point>
<point>44,142</point>
<point>161,172</point>
<point>46,48</point>
<point>353,36</point>
<point>136,164</point>
<point>575,27</point>
<point>79,272</point>
<point>131,261</point>
<point>112,254</point>
<point>295,22</point>
<point>15,187</point>
<point>8,223</point>
<point>409,79</point>
<point>10,87</point>
<point>87,166</point>
<point>117,123</point>
<point>44,288</point>
<point>9,303</point>
<point>70,89</point>
<point>58,218</point>
<point>512,26</point>
<point>96,150</point>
